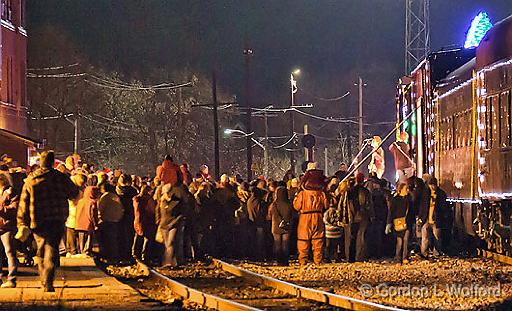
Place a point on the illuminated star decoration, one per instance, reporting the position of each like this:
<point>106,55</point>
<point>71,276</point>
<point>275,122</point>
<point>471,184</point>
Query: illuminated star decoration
<point>479,27</point>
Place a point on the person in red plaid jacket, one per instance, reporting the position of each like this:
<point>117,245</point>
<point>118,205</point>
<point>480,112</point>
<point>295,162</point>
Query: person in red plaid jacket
<point>43,208</point>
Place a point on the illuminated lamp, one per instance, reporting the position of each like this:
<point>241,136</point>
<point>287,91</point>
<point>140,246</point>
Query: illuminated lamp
<point>479,27</point>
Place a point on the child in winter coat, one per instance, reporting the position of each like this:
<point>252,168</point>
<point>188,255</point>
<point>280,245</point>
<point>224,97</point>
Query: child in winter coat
<point>333,234</point>
<point>86,213</point>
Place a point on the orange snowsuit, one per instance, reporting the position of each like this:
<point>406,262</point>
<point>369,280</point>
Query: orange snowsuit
<point>311,205</point>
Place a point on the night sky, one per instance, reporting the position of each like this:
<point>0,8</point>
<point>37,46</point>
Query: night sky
<point>331,41</point>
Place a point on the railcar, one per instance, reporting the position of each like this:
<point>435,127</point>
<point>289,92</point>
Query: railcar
<point>462,133</point>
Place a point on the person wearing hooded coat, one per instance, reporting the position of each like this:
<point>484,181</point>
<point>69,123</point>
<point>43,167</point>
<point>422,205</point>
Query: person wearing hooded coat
<point>311,202</point>
<point>280,213</point>
<point>256,214</point>
<point>126,192</point>
<point>174,205</point>
<point>144,224</point>
<point>86,213</point>
<point>110,213</point>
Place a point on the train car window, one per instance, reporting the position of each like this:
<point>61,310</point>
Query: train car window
<point>496,122</point>
<point>509,97</point>
<point>504,119</point>
<point>488,123</point>
<point>452,132</point>
<point>466,122</point>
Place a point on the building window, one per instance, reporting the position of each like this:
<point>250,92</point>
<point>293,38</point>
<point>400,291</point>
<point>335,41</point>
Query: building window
<point>22,13</point>
<point>6,7</point>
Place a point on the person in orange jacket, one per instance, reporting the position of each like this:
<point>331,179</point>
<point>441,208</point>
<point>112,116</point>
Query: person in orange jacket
<point>168,172</point>
<point>311,203</point>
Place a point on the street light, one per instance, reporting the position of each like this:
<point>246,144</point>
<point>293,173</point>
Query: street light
<point>244,134</point>
<point>293,90</point>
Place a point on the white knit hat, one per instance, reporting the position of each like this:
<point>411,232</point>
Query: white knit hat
<point>312,166</point>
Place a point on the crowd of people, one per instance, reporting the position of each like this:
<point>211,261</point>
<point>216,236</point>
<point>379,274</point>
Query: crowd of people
<point>64,209</point>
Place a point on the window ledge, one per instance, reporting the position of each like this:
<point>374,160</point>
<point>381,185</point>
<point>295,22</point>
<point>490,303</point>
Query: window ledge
<point>7,24</point>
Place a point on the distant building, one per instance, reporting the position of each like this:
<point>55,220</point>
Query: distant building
<point>13,83</point>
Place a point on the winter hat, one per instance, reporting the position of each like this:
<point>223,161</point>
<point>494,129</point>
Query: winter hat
<point>312,166</point>
<point>224,178</point>
<point>359,178</point>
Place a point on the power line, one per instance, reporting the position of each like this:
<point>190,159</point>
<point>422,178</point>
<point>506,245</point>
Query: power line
<point>333,99</point>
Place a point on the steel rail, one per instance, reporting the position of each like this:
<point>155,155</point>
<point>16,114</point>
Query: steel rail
<point>347,303</point>
<point>194,295</point>
<point>494,256</point>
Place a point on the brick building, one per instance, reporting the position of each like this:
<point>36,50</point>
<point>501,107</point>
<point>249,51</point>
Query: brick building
<point>13,83</point>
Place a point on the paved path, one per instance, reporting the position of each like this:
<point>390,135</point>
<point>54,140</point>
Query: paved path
<point>79,285</point>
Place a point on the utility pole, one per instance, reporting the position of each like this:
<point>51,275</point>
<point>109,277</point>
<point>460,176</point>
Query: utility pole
<point>265,151</point>
<point>76,124</point>
<point>216,125</point>
<point>215,108</point>
<point>326,161</point>
<point>293,90</point>
<point>307,155</point>
<point>360,84</point>
<point>248,114</point>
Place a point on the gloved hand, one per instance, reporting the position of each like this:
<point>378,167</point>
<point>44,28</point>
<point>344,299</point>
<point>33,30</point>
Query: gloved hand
<point>388,229</point>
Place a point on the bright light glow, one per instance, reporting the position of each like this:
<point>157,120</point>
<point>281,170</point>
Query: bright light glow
<point>458,184</point>
<point>296,71</point>
<point>479,27</point>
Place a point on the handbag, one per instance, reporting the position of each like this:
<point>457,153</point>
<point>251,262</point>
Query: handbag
<point>400,224</point>
<point>283,224</point>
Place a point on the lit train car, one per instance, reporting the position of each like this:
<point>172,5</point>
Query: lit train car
<point>416,91</point>
<point>464,137</point>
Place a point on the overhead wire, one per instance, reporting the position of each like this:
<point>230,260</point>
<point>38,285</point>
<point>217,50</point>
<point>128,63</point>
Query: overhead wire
<point>325,99</point>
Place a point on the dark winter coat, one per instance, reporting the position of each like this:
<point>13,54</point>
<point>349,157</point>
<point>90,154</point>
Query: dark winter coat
<point>360,205</point>
<point>228,203</point>
<point>205,210</point>
<point>400,207</point>
<point>379,200</point>
<point>279,210</point>
<point>257,207</point>
<point>442,211</point>
<point>173,206</point>
<point>44,198</point>
<point>419,194</point>
<point>126,194</point>
<point>8,209</point>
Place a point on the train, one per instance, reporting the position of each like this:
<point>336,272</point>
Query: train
<point>456,108</point>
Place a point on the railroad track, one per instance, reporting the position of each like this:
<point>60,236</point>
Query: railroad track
<point>223,286</point>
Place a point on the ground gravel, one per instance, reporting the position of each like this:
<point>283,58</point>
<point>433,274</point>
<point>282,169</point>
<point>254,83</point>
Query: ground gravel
<point>441,284</point>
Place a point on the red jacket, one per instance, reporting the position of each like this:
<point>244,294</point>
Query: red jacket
<point>86,209</point>
<point>144,221</point>
<point>168,172</point>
